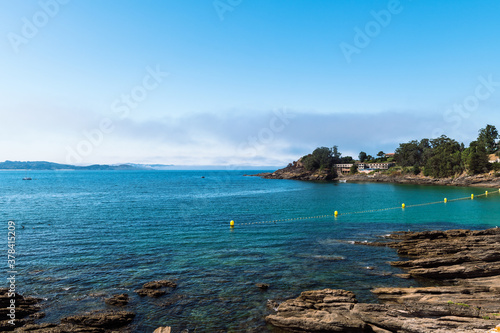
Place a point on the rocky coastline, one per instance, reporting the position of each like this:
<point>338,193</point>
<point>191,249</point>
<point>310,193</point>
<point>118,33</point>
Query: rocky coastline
<point>116,319</point>
<point>296,171</point>
<point>465,263</point>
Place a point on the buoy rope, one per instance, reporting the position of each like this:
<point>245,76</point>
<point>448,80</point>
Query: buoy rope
<point>336,215</point>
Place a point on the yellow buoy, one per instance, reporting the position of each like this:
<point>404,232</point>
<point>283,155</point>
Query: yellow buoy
<point>403,206</point>
<point>472,196</point>
<point>336,213</point>
<point>486,193</point>
<point>231,224</point>
<point>445,200</point>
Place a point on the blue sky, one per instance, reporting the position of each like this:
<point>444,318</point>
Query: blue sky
<point>231,82</point>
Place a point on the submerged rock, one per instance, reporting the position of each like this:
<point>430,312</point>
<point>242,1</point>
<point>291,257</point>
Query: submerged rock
<point>159,284</point>
<point>262,286</point>
<point>118,300</point>
<point>154,288</point>
<point>107,319</point>
<point>150,292</point>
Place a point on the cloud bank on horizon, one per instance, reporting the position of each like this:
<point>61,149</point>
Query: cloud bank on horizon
<point>241,82</point>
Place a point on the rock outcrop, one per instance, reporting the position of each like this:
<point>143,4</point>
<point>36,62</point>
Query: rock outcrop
<point>118,300</point>
<point>155,288</point>
<point>26,310</point>
<point>107,319</point>
<point>297,171</point>
<point>465,261</point>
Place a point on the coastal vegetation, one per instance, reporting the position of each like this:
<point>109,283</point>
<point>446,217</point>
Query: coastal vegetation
<point>439,157</point>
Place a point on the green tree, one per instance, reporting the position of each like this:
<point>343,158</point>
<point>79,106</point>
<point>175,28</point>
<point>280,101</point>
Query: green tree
<point>362,156</point>
<point>408,154</point>
<point>354,169</point>
<point>488,138</point>
<point>475,158</point>
<point>446,158</point>
<point>322,158</point>
<point>381,154</point>
<point>346,159</point>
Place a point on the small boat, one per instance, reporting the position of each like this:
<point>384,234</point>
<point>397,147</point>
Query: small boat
<point>27,178</point>
<point>342,180</point>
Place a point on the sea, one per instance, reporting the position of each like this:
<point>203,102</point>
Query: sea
<point>83,236</point>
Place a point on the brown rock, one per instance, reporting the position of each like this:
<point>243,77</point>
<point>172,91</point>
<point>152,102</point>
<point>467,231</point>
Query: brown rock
<point>150,292</point>
<point>262,286</point>
<point>159,284</point>
<point>108,319</point>
<point>118,300</point>
<point>469,263</point>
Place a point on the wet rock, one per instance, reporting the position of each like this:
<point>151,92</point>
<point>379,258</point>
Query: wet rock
<point>262,286</point>
<point>154,288</point>
<point>25,306</point>
<point>150,292</point>
<point>166,329</point>
<point>272,305</point>
<point>325,310</point>
<point>62,328</point>
<point>118,300</point>
<point>159,284</point>
<point>107,319</point>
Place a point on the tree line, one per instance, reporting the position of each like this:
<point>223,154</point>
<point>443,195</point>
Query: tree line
<point>445,157</point>
<point>439,157</point>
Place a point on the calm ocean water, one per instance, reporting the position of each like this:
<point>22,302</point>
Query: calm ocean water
<point>83,236</point>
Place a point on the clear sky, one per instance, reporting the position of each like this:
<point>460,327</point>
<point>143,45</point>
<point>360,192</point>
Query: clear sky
<point>254,82</point>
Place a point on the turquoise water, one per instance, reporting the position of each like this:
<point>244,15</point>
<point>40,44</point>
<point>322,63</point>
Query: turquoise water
<point>85,235</point>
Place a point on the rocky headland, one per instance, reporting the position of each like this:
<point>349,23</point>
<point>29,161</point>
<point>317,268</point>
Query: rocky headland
<point>296,171</point>
<point>464,264</point>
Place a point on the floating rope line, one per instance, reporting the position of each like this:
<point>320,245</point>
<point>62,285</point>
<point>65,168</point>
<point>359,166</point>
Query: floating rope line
<point>337,214</point>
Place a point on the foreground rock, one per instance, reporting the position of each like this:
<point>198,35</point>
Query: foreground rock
<point>466,261</point>
<point>26,310</point>
<point>94,322</point>
<point>108,319</point>
<point>118,300</point>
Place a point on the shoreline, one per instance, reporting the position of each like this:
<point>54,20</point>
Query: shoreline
<point>482,180</point>
<point>467,261</point>
<point>466,264</point>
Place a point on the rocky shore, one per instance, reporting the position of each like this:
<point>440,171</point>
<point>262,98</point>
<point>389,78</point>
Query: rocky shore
<point>465,263</point>
<point>28,310</point>
<point>482,180</point>
<point>464,266</point>
<point>296,171</point>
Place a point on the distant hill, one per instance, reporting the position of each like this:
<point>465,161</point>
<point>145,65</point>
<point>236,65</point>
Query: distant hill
<point>43,165</point>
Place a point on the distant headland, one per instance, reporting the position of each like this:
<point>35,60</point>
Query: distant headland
<point>43,165</point>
